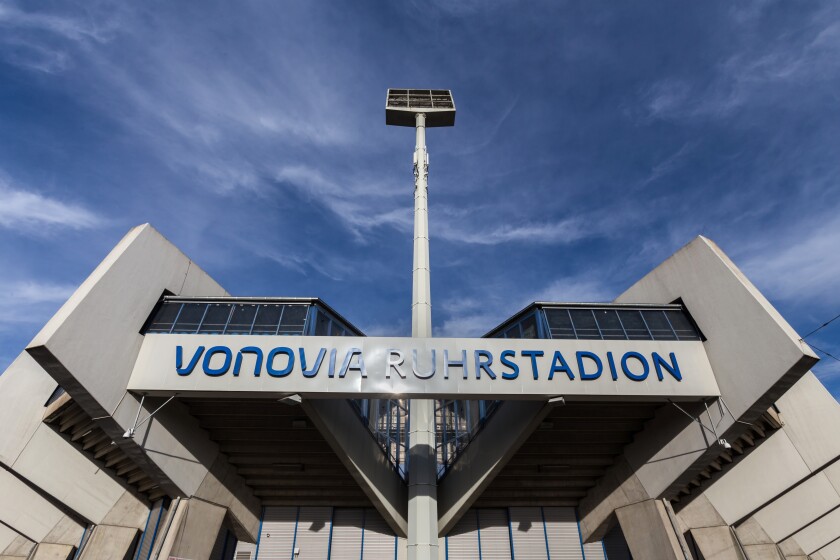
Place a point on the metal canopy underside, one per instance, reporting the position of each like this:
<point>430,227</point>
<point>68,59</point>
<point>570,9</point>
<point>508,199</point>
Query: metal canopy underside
<point>567,455</point>
<point>278,451</point>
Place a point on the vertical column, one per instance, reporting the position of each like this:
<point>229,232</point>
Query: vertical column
<point>422,474</point>
<point>649,531</point>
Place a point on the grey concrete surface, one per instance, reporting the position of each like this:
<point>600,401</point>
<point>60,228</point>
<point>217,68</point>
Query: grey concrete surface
<point>756,357</point>
<point>109,543</point>
<point>38,518</point>
<point>193,531</point>
<point>12,541</point>
<point>18,547</point>
<point>830,551</point>
<point>91,343</point>
<point>717,543</point>
<point>819,533</point>
<point>763,552</point>
<point>485,457</point>
<point>648,531</point>
<point>45,551</point>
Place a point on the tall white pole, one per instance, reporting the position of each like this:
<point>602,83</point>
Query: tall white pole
<point>422,466</point>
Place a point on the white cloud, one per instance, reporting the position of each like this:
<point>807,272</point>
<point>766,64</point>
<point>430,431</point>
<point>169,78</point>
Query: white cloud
<point>561,231</point>
<point>575,289</point>
<point>30,301</point>
<point>757,71</point>
<point>31,211</point>
<point>360,205</point>
<point>801,263</point>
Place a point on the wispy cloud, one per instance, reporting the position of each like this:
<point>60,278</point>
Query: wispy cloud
<point>757,70</point>
<point>358,204</point>
<point>670,163</point>
<point>800,264</point>
<point>30,301</point>
<point>35,213</point>
<point>562,231</point>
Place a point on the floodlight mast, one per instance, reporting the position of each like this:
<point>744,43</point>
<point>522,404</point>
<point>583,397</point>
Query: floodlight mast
<point>421,108</point>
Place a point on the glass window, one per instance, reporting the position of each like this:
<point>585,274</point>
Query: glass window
<point>268,318</point>
<point>513,332</point>
<point>164,318</point>
<point>322,324</point>
<point>215,318</point>
<point>658,325</point>
<point>529,327</point>
<point>190,318</point>
<point>585,325</point>
<point>609,324</point>
<point>560,323</point>
<point>294,319</point>
<point>241,319</point>
<point>682,326</point>
<point>633,324</point>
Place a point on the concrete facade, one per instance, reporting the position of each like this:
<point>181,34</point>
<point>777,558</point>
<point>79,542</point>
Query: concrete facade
<point>172,487</point>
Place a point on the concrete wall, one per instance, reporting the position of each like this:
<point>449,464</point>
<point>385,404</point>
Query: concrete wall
<point>788,484</point>
<point>756,357</point>
<point>27,512</point>
<point>90,346</point>
<point>31,449</point>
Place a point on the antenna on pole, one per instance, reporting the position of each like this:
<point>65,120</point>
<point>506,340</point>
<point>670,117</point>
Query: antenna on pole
<point>421,108</point>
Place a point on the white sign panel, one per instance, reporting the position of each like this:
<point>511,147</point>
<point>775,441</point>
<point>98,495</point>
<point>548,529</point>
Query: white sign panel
<point>464,368</point>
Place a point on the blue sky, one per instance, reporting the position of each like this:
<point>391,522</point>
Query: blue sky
<point>593,139</point>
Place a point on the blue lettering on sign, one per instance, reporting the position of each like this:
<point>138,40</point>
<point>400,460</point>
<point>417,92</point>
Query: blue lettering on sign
<point>282,361</point>
<point>505,359</point>
<point>582,370</point>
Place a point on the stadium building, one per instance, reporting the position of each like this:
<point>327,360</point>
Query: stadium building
<point>156,416</point>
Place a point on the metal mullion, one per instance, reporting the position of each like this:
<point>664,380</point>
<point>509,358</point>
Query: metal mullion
<point>280,320</point>
<point>571,322</point>
<point>673,330</point>
<point>203,315</point>
<point>309,311</point>
<point>620,322</point>
<point>177,316</point>
<point>254,320</point>
<point>542,324</point>
<point>597,326</point>
<point>230,315</point>
<point>642,315</point>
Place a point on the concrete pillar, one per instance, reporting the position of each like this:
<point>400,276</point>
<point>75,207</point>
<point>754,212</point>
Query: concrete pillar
<point>649,532</point>
<point>756,542</point>
<point>791,550</point>
<point>110,543</point>
<point>713,538</point>
<point>193,530</point>
<point>47,551</point>
<point>114,537</point>
<point>14,545</point>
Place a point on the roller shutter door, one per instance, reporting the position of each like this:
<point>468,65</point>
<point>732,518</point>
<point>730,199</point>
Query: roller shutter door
<point>494,534</point>
<point>244,551</point>
<point>594,551</point>
<point>379,540</point>
<point>462,540</point>
<point>402,549</point>
<point>528,533</point>
<point>313,533</point>
<point>278,533</point>
<point>562,530</point>
<point>346,534</point>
